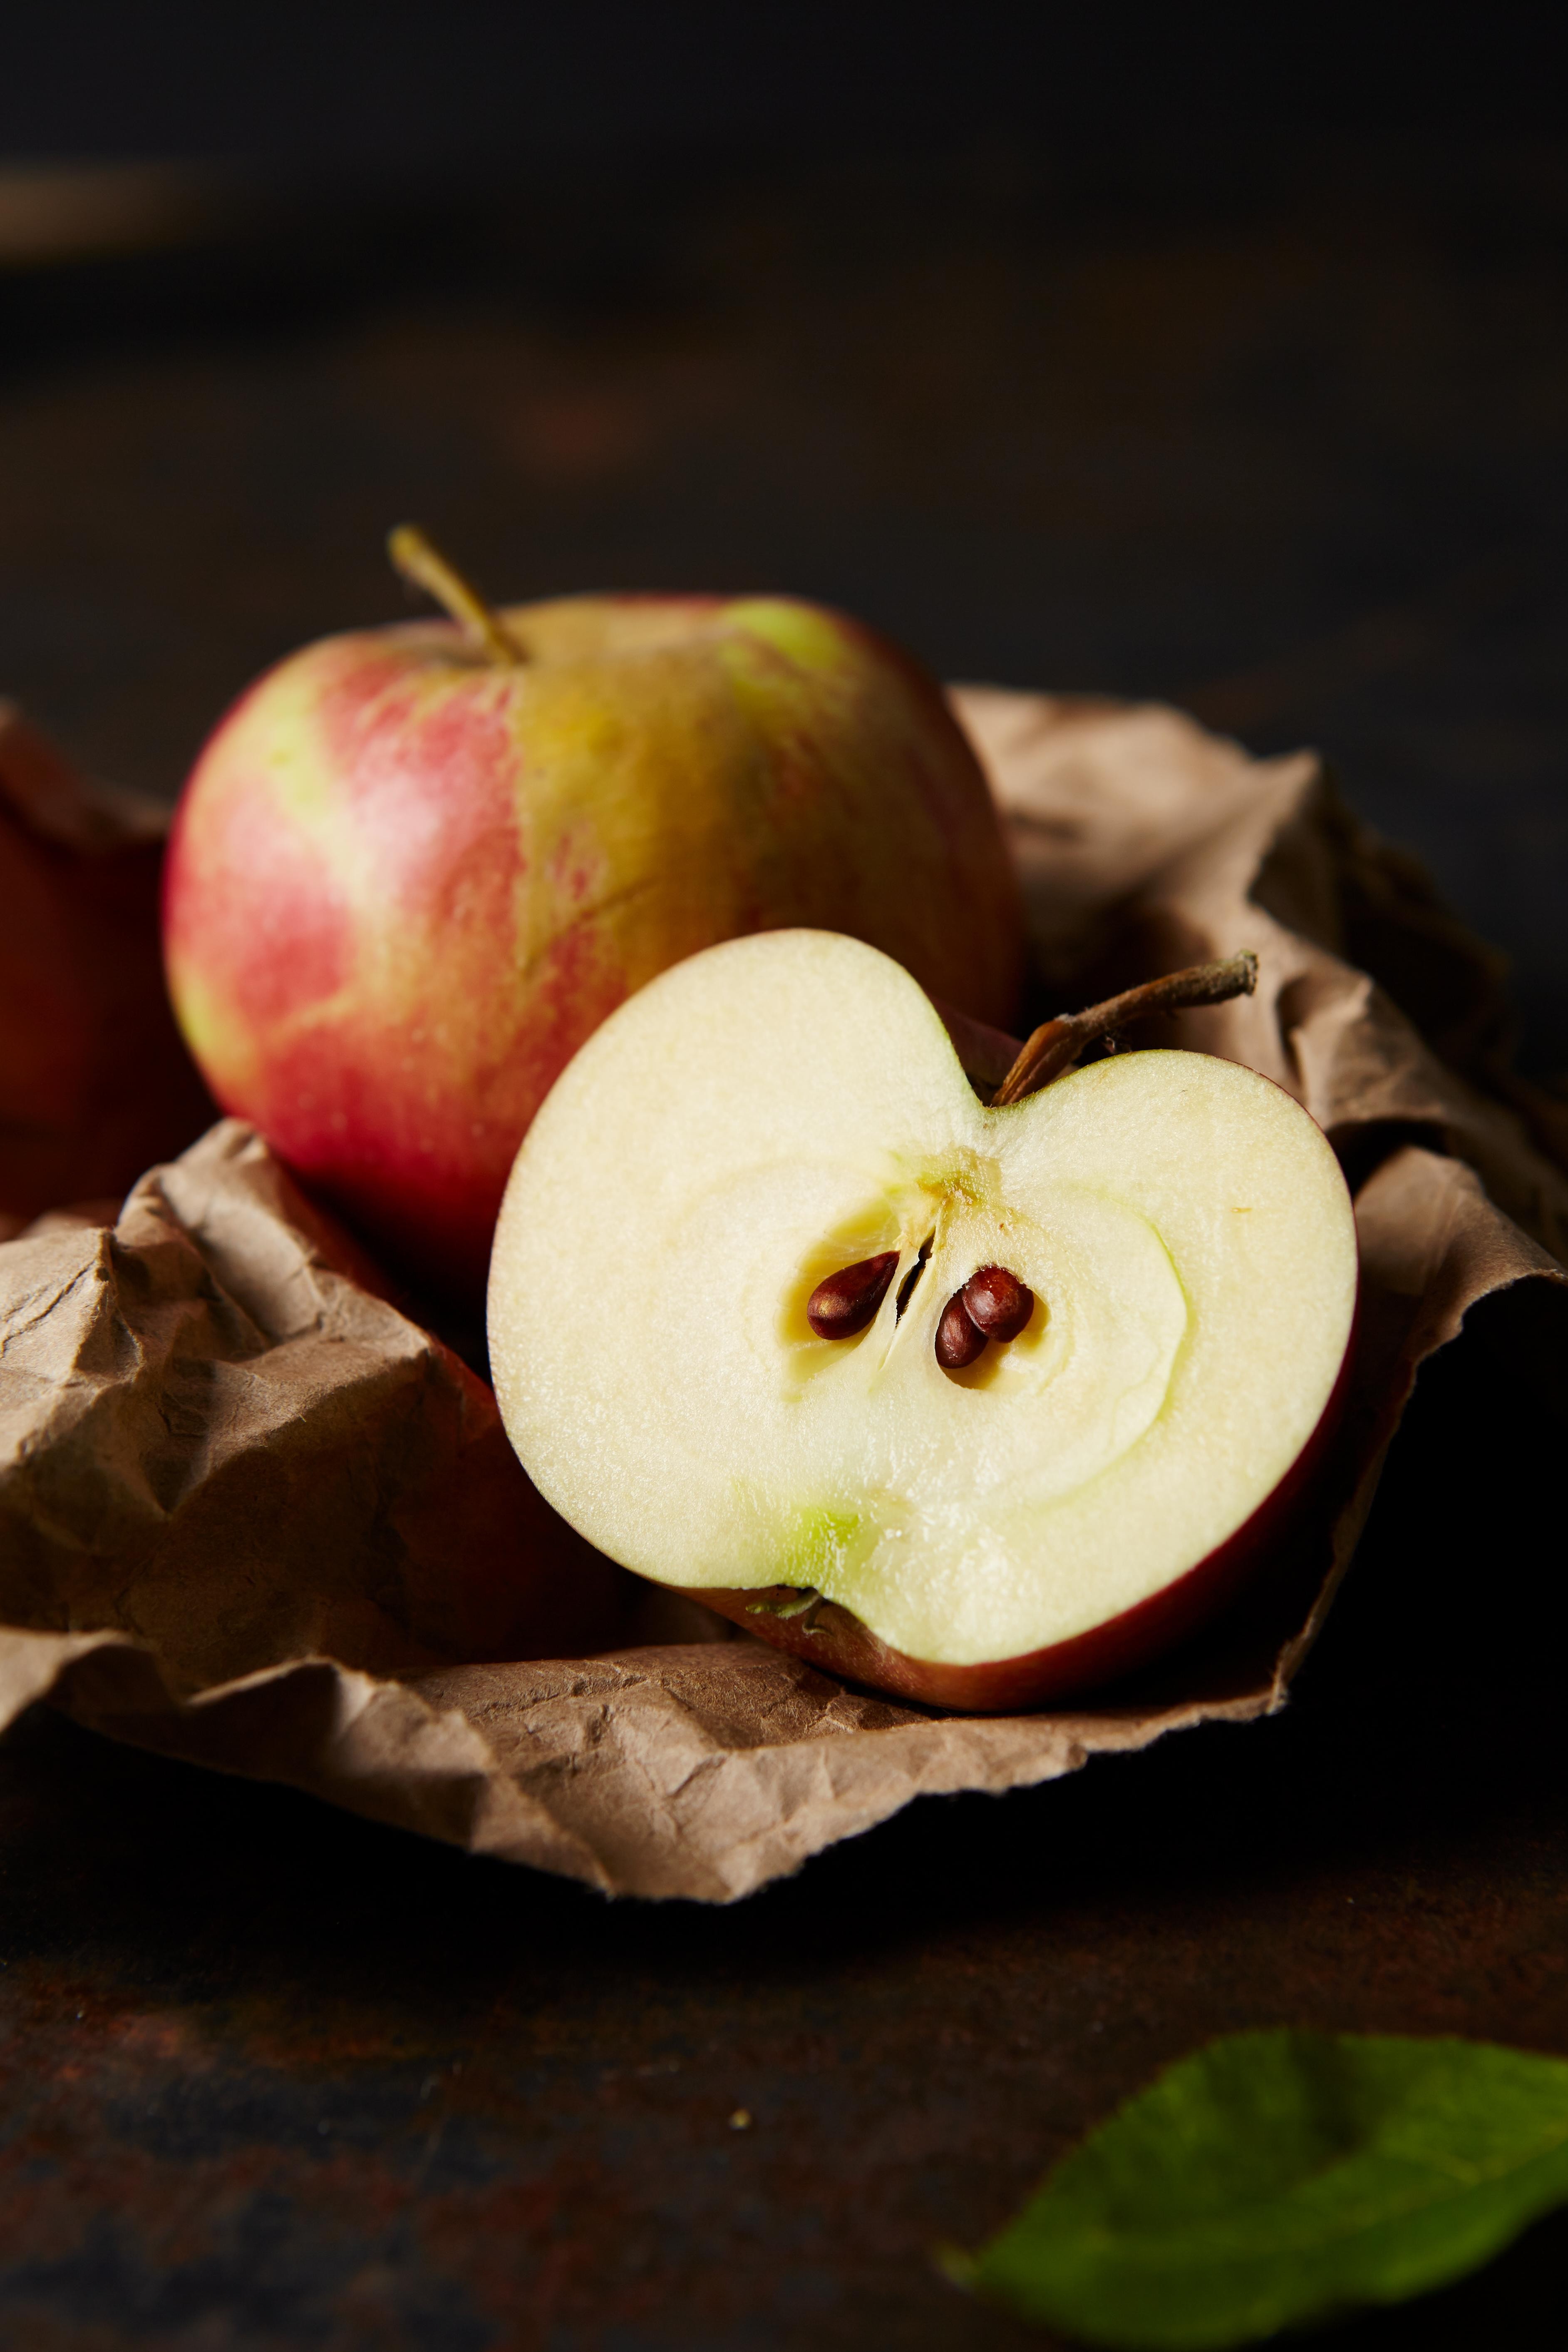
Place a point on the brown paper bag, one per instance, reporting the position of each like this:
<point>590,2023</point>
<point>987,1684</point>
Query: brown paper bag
<point>318,1453</point>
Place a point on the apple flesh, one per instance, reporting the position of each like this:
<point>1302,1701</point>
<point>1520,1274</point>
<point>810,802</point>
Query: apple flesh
<point>1074,1500</point>
<point>407,879</point>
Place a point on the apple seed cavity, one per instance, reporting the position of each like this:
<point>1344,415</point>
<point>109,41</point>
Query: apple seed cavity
<point>906,1287</point>
<point>844,1304</point>
<point>959,1342</point>
<point>997,1302</point>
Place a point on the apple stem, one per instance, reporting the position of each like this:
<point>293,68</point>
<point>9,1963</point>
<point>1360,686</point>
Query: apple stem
<point>425,566</point>
<point>1056,1044</point>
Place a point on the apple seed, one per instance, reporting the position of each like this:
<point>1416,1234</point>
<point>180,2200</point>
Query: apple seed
<point>997,1302</point>
<point>958,1340</point>
<point>847,1301</point>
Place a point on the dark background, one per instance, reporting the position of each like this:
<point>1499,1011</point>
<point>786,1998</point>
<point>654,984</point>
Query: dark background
<point>384,86</point>
<point>1162,353</point>
<point>1165,351</point>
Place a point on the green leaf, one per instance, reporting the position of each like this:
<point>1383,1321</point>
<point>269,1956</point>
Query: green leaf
<point>1275,2177</point>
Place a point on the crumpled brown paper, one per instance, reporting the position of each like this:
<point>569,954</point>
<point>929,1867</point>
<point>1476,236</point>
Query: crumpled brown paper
<point>663,1764</point>
<point>222,1443</point>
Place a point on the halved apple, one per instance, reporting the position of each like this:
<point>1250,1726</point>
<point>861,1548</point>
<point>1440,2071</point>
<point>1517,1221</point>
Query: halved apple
<point>726,1156</point>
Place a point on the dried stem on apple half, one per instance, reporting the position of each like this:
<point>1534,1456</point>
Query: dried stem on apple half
<point>1056,1044</point>
<point>423,565</point>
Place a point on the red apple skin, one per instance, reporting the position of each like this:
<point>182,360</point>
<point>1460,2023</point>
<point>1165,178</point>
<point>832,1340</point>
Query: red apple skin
<point>839,1643</point>
<point>405,883</point>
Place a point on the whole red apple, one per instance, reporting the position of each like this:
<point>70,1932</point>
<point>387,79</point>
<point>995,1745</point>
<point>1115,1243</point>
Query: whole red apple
<point>416,866</point>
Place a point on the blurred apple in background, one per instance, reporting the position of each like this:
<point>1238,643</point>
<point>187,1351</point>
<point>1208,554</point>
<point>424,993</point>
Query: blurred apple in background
<point>416,866</point>
<point>94,1080</point>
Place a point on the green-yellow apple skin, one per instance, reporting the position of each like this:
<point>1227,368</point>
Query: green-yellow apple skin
<point>407,881</point>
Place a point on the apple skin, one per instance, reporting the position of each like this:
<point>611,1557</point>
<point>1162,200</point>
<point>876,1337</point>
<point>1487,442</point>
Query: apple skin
<point>836,1640</point>
<point>95,1082</point>
<point>405,882</point>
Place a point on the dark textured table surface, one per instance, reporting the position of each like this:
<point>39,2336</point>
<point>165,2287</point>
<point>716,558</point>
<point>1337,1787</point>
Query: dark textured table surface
<point>1291,444</point>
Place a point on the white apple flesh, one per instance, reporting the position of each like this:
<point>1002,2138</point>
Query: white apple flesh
<point>779,1108</point>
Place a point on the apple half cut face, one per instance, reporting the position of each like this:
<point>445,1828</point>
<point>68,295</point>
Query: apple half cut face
<point>708,1182</point>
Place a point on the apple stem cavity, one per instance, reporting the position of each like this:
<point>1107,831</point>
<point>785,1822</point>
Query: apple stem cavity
<point>1057,1044</point>
<point>423,565</point>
